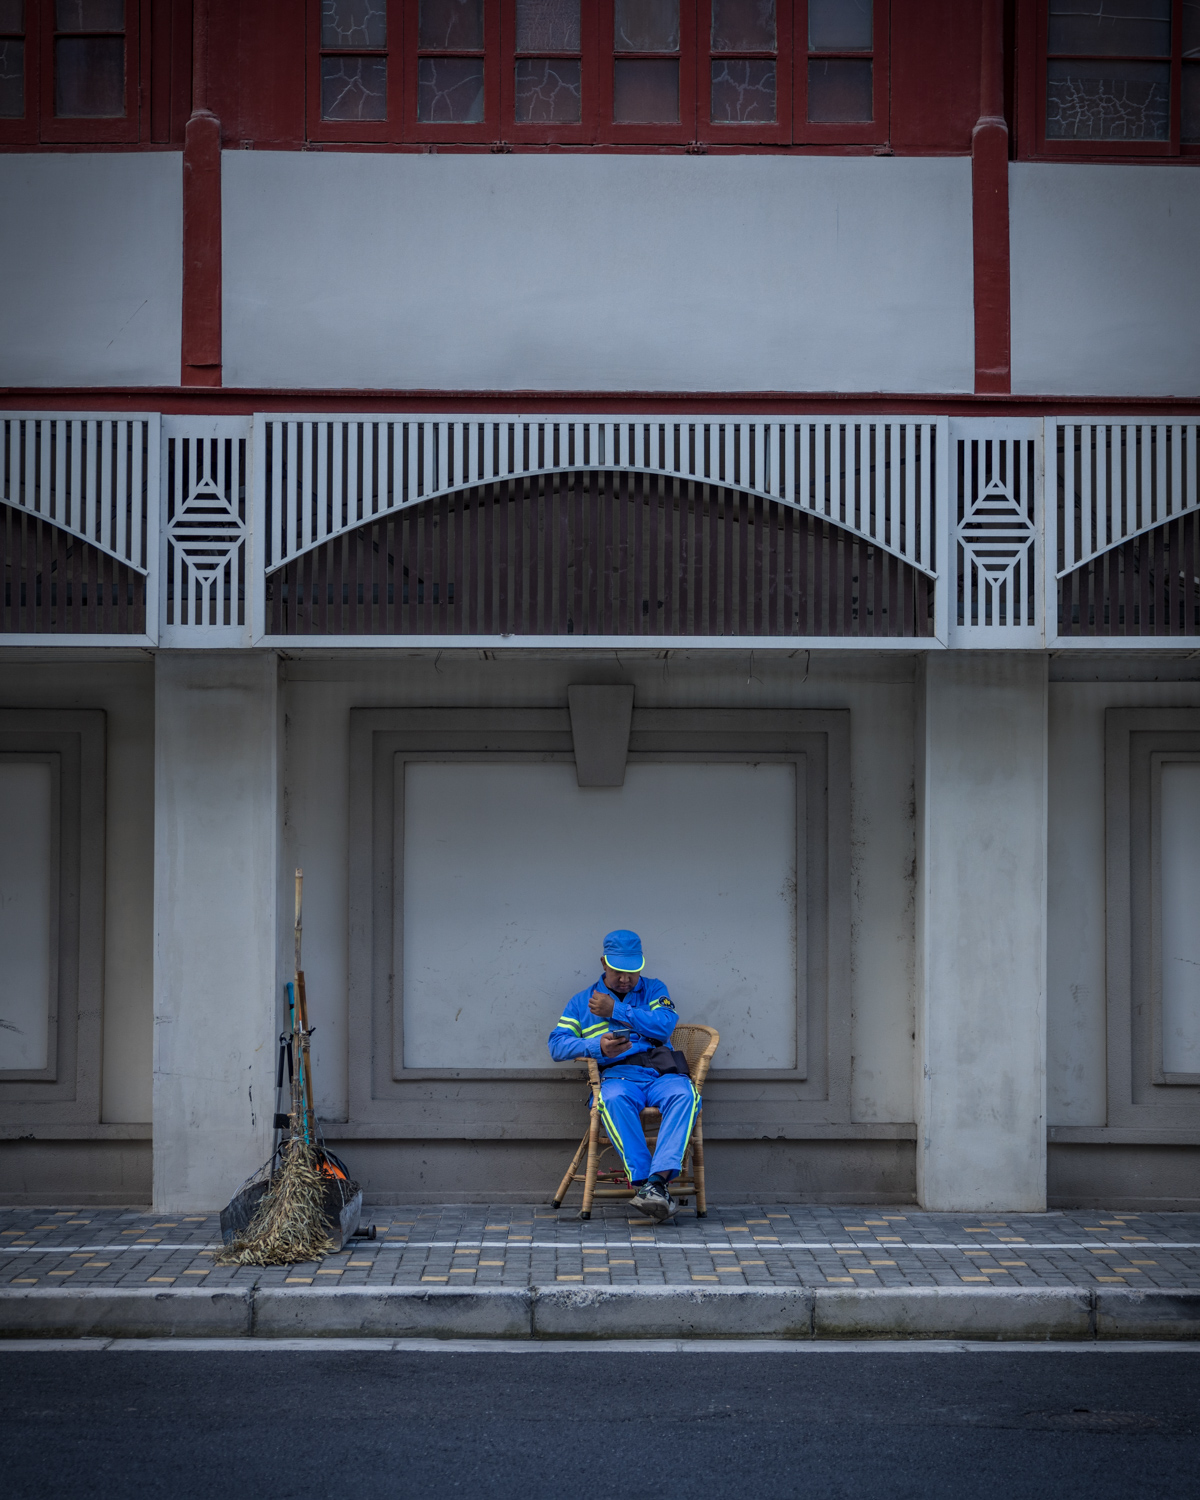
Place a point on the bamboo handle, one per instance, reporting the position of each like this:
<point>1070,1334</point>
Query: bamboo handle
<point>299,915</point>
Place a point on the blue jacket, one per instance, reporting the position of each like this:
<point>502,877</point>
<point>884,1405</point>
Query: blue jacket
<point>646,1012</point>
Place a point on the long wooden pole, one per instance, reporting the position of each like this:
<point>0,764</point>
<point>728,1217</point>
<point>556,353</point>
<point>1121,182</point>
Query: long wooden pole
<point>301,1019</point>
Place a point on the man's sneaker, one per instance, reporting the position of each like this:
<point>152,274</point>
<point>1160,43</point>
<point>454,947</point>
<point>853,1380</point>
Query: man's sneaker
<point>654,1201</point>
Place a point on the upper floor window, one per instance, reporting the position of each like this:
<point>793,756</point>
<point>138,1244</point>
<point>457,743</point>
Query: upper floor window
<point>69,70</point>
<point>599,71</point>
<point>1120,77</point>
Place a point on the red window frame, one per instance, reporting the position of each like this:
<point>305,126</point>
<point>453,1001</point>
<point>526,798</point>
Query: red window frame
<point>597,59</point>
<point>477,133</point>
<point>532,132</point>
<point>1033,21</point>
<point>873,132</point>
<point>40,125</point>
<point>354,131</point>
<point>751,133</point>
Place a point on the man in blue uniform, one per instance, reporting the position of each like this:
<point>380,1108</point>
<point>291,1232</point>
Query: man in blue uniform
<point>620,1021</point>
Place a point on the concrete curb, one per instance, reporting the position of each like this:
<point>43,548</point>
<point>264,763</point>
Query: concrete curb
<point>1160,1314</point>
<point>392,1312</point>
<point>125,1312</point>
<point>672,1312</point>
<point>934,1312</point>
<point>609,1312</point>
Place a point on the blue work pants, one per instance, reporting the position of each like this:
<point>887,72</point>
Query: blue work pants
<point>621,1103</point>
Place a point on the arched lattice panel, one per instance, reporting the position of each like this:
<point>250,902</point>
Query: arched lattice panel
<point>599,554</point>
<point>54,583</point>
<point>1147,586</point>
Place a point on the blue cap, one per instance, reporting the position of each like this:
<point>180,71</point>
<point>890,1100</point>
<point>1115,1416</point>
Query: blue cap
<point>623,951</point>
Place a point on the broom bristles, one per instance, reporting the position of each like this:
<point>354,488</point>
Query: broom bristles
<point>289,1224</point>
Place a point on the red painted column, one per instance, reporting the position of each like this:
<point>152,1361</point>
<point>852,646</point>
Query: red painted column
<point>989,204</point>
<point>201,341</point>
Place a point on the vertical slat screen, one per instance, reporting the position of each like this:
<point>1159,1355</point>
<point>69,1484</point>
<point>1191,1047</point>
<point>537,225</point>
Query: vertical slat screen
<point>599,553</point>
<point>1118,479</point>
<point>88,476</point>
<point>1147,586</point>
<point>996,483</point>
<point>207,527</point>
<point>54,583</point>
<point>876,476</point>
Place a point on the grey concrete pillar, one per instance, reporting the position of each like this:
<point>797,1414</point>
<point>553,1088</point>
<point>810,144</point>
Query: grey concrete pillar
<point>216,839</point>
<point>981,931</point>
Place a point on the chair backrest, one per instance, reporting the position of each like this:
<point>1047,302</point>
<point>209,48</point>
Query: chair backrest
<point>697,1043</point>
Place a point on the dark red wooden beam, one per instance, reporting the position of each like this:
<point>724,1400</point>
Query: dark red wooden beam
<point>989,205</point>
<point>201,332</point>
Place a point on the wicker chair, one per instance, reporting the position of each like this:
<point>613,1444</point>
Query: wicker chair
<point>600,1180</point>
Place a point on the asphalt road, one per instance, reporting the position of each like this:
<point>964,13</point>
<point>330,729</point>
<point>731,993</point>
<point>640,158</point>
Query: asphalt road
<point>358,1425</point>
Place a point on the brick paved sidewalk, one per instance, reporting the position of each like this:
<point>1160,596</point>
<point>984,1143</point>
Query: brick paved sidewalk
<point>764,1245</point>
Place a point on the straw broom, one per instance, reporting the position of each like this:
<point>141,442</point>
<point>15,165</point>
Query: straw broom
<point>289,1224</point>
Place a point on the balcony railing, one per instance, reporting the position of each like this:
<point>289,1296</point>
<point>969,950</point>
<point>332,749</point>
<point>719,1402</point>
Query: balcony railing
<point>871,532</point>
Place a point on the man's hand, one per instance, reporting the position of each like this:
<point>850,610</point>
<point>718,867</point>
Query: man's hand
<point>600,1004</point>
<point>613,1046</point>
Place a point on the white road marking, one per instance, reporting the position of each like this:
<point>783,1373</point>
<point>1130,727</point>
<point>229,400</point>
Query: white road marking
<point>587,1346</point>
<point>366,1247</point>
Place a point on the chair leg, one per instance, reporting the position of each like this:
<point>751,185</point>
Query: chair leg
<point>698,1168</point>
<point>593,1164</point>
<point>565,1184</point>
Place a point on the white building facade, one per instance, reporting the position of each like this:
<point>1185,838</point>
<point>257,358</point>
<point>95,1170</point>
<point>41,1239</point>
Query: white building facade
<point>842,436</point>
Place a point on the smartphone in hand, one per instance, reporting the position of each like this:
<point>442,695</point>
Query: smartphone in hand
<point>619,1033</point>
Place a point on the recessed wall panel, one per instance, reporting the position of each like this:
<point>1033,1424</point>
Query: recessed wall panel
<point>513,873</point>
<point>1180,903</point>
<point>26,915</point>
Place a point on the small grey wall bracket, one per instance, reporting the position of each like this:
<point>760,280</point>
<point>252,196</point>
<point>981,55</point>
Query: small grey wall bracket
<point>600,720</point>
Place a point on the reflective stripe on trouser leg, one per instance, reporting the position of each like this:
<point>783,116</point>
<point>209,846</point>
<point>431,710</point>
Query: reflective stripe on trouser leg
<point>675,1097</point>
<point>621,1105</point>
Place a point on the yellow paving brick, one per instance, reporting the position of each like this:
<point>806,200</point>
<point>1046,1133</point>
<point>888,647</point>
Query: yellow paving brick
<point>160,1278</point>
<point>568,1278</point>
<point>308,1279</point>
<point>195,1273</point>
<point>66,1273</point>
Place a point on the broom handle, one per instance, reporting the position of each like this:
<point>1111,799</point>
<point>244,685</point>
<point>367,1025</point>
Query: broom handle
<point>302,1013</point>
<point>302,1009</point>
<point>299,916</point>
